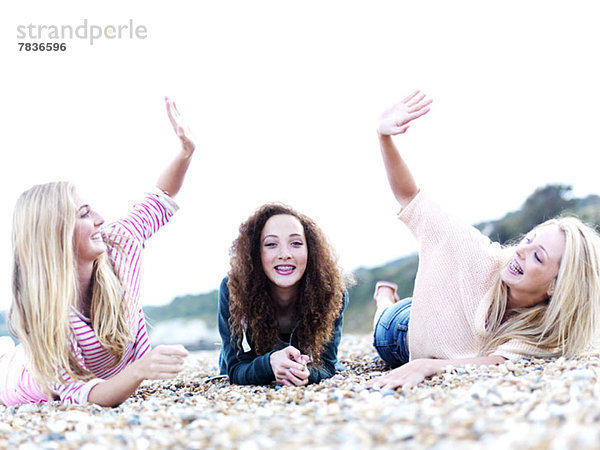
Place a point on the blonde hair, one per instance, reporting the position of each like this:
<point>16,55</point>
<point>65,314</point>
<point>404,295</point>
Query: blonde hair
<point>566,323</point>
<point>45,287</point>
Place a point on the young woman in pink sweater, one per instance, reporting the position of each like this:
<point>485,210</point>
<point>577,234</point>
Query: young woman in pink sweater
<point>475,302</point>
<point>75,307</point>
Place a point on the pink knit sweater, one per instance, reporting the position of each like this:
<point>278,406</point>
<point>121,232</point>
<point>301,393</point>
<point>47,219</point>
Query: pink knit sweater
<point>457,265</point>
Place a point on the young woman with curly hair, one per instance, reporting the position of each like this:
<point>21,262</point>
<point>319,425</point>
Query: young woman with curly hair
<point>280,308</point>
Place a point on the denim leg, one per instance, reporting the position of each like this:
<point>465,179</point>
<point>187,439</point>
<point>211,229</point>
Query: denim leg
<point>389,338</point>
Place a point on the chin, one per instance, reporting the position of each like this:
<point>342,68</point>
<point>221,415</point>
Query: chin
<point>285,283</point>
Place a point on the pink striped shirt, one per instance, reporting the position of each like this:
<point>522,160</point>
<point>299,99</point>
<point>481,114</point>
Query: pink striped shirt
<point>17,385</point>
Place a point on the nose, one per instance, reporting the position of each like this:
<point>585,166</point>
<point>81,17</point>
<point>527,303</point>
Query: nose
<point>522,249</point>
<point>98,219</point>
<point>284,253</point>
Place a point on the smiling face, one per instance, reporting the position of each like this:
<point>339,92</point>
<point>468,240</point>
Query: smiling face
<point>283,251</point>
<point>87,240</point>
<point>532,271</point>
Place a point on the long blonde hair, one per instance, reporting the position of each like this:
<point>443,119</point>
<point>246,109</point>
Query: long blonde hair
<point>568,322</point>
<point>45,287</point>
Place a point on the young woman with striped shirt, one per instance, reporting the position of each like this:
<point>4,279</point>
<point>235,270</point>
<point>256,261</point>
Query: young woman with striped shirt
<point>75,307</point>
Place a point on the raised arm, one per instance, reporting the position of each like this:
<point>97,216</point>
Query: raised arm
<point>172,177</point>
<point>396,120</point>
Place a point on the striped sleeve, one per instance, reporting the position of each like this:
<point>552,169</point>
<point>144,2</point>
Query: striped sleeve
<point>146,217</point>
<point>142,340</point>
<point>74,392</point>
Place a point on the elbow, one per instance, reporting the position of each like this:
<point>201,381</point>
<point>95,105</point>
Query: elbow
<point>107,402</point>
<point>235,377</point>
<point>497,360</point>
<point>407,196</point>
<point>322,373</point>
<point>111,404</point>
<point>104,398</point>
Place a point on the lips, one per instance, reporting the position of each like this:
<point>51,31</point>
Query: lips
<point>515,268</point>
<point>284,269</point>
<point>97,236</point>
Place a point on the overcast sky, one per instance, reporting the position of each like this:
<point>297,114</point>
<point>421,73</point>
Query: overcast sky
<point>283,98</point>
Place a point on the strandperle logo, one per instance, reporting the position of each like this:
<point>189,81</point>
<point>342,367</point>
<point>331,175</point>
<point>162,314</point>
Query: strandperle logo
<point>84,31</point>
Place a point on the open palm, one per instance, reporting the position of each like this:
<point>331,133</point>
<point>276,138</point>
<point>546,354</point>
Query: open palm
<point>396,120</point>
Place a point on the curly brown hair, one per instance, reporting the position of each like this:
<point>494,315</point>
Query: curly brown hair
<point>321,288</point>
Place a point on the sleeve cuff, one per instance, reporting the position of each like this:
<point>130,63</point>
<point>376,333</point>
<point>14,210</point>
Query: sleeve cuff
<point>87,387</point>
<point>170,205</point>
<point>266,366</point>
<point>407,211</point>
<point>515,350</point>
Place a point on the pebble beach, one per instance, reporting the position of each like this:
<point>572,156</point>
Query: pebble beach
<point>525,404</point>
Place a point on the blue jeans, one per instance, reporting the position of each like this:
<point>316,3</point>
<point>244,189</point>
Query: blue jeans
<point>389,337</point>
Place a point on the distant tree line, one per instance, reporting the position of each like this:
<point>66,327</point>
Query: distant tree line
<point>545,203</point>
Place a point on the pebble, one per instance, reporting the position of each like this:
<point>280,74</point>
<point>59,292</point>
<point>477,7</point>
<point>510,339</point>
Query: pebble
<point>527,403</point>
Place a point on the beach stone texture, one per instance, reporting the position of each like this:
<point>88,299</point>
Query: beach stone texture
<point>525,404</point>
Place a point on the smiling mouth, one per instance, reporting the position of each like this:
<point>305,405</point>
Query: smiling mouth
<point>284,269</point>
<point>97,236</point>
<point>515,268</point>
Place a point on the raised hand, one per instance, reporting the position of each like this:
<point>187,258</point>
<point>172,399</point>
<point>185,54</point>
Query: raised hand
<point>396,120</point>
<point>290,367</point>
<point>171,179</point>
<point>181,129</point>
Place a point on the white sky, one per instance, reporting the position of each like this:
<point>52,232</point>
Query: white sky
<point>283,98</point>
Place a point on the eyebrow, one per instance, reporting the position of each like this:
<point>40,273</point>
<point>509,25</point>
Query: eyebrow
<point>541,246</point>
<point>82,207</point>
<point>275,236</point>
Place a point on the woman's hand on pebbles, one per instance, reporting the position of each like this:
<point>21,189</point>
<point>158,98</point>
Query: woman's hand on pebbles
<point>290,367</point>
<point>162,362</point>
<point>406,376</point>
<point>396,120</point>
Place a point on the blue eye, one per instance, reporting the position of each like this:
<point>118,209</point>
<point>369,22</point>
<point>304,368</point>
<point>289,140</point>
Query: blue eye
<point>270,244</point>
<point>297,244</point>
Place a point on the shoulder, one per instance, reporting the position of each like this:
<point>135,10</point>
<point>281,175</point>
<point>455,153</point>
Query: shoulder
<point>224,287</point>
<point>345,299</point>
<point>224,291</point>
